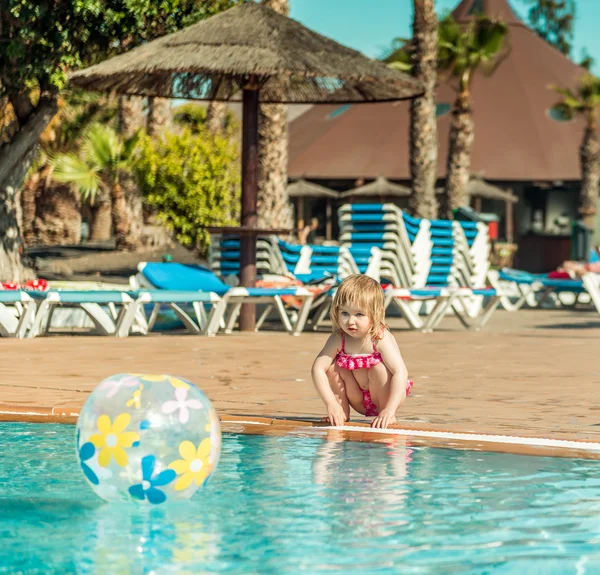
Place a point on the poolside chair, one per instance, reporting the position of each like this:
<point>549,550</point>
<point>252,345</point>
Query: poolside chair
<point>17,310</point>
<point>517,288</point>
<point>174,299</point>
<point>442,300</point>
<point>179,277</point>
<point>109,310</point>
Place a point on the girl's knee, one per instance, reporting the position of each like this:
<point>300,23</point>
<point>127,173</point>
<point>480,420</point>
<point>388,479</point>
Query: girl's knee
<point>378,373</point>
<point>336,381</point>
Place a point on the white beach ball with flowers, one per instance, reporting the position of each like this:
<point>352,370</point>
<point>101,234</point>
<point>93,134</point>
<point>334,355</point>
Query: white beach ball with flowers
<point>147,438</point>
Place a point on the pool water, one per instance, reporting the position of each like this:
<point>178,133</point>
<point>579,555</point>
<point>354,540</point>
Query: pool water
<point>289,505</point>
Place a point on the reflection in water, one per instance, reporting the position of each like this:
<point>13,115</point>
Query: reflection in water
<point>284,505</point>
<point>372,488</point>
<point>146,540</point>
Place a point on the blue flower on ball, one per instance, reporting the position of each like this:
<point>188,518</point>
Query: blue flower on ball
<point>86,452</point>
<point>147,489</point>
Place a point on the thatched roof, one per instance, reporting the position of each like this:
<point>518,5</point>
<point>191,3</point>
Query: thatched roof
<point>303,189</point>
<point>248,44</point>
<point>479,188</point>
<point>379,187</point>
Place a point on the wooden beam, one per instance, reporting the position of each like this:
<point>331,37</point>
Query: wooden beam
<point>509,220</point>
<point>250,168</point>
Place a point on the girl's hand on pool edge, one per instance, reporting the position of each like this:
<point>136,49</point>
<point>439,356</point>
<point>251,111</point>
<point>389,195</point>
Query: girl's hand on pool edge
<point>384,419</point>
<point>336,415</point>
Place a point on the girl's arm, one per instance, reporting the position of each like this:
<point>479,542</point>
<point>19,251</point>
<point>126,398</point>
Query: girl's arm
<point>392,358</point>
<point>320,366</point>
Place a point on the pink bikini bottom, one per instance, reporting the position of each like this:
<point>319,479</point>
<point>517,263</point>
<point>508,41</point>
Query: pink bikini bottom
<point>370,408</point>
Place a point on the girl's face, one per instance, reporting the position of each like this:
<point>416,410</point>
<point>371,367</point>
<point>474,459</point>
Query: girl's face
<point>354,321</point>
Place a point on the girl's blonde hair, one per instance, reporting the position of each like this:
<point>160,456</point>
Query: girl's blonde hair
<point>361,292</point>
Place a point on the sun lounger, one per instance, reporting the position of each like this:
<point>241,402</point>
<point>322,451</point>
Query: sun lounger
<point>175,299</point>
<point>237,296</point>
<point>94,303</point>
<point>179,277</point>
<point>517,288</point>
<point>15,322</point>
<point>445,299</point>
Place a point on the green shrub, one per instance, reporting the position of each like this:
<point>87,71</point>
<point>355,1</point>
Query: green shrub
<point>192,180</point>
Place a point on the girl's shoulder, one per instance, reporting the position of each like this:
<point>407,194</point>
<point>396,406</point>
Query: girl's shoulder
<point>386,338</point>
<point>334,341</point>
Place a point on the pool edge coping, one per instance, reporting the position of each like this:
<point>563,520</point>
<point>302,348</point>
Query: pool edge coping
<point>353,431</point>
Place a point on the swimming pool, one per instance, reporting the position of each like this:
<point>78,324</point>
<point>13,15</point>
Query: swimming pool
<point>287,505</point>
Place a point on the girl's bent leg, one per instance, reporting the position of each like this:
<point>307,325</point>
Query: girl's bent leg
<point>379,385</point>
<point>346,389</point>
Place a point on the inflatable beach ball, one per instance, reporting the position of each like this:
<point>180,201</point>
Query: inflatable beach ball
<point>147,438</point>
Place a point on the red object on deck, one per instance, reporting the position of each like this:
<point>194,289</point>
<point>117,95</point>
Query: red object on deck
<point>493,230</point>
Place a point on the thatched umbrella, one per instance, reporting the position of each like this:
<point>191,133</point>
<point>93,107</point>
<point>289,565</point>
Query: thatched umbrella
<point>254,54</point>
<point>380,187</point>
<point>302,189</point>
<point>479,189</point>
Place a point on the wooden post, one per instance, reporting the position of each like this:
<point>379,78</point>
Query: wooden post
<point>508,220</point>
<point>300,213</point>
<point>477,200</point>
<point>328,223</point>
<point>250,169</point>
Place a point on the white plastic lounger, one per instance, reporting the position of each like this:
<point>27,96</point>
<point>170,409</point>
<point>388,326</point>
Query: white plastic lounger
<point>15,324</point>
<point>403,297</point>
<point>237,296</point>
<point>91,302</point>
<point>446,299</point>
<point>173,299</point>
<point>176,277</point>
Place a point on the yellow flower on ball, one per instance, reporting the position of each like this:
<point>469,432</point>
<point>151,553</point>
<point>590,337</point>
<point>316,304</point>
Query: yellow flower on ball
<point>113,439</point>
<point>194,467</point>
<point>135,400</point>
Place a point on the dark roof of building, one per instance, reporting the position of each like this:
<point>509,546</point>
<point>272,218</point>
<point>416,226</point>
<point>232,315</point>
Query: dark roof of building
<point>517,138</point>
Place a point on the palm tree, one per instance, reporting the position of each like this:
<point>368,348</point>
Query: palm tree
<point>462,51</point>
<point>423,124</point>
<point>130,115</point>
<point>95,173</point>
<point>274,208</point>
<point>584,103</point>
<point>159,115</point>
<point>215,116</point>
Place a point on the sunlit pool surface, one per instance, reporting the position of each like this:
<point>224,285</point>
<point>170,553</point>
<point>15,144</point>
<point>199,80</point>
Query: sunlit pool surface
<point>303,505</point>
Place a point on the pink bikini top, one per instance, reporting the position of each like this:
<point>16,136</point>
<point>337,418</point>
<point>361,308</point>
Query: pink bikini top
<point>358,361</point>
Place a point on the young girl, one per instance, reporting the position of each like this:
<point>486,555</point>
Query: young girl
<point>360,365</point>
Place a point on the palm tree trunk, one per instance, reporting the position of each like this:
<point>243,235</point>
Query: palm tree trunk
<point>274,207</point>
<point>16,158</point>
<point>423,126</point>
<point>215,116</point>
<point>57,216</point>
<point>29,204</point>
<point>119,216</point>
<point>589,156</point>
<point>101,224</point>
<point>462,135</point>
<point>130,115</point>
<point>159,115</point>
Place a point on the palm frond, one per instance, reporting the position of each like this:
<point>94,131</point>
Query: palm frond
<point>563,111</point>
<point>568,98</point>
<point>102,146</point>
<point>489,37</point>
<point>70,169</point>
<point>129,146</point>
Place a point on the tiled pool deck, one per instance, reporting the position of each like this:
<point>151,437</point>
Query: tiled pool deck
<point>532,374</point>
